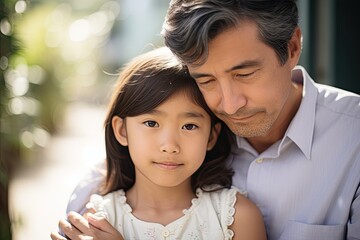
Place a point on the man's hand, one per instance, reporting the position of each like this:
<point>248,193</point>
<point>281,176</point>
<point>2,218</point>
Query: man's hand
<point>92,227</point>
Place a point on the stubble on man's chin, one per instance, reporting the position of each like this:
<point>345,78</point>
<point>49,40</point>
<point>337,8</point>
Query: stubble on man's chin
<point>249,130</point>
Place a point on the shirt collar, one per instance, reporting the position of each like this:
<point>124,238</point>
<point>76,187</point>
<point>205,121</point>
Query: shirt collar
<point>301,128</point>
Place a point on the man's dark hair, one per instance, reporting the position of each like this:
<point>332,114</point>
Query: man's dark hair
<point>190,25</point>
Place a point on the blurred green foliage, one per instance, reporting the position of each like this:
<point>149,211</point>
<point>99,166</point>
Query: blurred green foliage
<point>28,96</point>
<point>48,58</point>
<point>53,53</point>
<point>9,146</point>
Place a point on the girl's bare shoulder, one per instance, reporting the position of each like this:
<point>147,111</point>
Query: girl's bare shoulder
<point>248,221</point>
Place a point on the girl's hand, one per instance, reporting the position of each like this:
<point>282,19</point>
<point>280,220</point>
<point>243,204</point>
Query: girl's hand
<point>79,228</point>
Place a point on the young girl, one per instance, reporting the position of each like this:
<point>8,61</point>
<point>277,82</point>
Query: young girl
<point>167,175</point>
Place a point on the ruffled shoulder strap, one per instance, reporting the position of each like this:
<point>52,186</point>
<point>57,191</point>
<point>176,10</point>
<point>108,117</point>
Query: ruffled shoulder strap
<point>106,206</point>
<point>97,202</point>
<point>224,203</point>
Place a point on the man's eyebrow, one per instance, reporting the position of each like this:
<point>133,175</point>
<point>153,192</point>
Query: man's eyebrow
<point>245,64</point>
<point>199,75</point>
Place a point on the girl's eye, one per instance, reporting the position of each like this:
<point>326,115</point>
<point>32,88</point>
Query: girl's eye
<point>190,126</point>
<point>151,124</point>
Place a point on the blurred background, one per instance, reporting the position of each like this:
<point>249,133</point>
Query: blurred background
<point>58,61</point>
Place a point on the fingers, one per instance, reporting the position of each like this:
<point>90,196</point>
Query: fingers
<point>103,229</point>
<point>75,227</point>
<point>69,230</point>
<point>79,222</point>
<point>90,209</point>
<point>56,236</point>
<point>78,228</point>
<point>100,222</point>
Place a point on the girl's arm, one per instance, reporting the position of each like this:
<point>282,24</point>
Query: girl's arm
<point>248,222</point>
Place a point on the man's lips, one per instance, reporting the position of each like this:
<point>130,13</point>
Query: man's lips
<point>240,118</point>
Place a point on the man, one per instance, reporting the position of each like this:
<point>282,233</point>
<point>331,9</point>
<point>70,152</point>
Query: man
<point>297,151</point>
<point>298,145</point>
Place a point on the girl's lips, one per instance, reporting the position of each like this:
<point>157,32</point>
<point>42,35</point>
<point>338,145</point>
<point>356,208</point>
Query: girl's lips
<point>168,165</point>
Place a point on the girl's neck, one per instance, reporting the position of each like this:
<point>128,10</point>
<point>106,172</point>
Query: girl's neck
<point>159,204</point>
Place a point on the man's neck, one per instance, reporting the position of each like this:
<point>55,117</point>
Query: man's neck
<point>278,129</point>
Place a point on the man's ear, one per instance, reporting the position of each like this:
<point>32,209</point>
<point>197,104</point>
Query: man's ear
<point>215,131</point>
<point>119,128</point>
<point>295,47</point>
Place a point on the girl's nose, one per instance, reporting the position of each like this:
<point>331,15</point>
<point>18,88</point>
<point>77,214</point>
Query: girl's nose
<point>170,143</point>
<point>170,148</point>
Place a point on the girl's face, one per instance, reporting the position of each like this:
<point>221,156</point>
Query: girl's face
<point>168,144</point>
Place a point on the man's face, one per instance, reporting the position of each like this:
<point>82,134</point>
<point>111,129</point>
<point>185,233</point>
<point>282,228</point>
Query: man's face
<point>244,83</point>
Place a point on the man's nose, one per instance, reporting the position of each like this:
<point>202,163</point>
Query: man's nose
<point>232,99</point>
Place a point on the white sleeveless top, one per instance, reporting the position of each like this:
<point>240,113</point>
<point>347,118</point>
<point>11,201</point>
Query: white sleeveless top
<point>209,217</point>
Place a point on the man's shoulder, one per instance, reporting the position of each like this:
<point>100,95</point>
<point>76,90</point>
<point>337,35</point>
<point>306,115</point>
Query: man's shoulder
<point>338,101</point>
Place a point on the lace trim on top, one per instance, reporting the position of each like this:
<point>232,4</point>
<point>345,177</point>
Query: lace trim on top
<point>97,202</point>
<point>127,208</point>
<point>229,234</point>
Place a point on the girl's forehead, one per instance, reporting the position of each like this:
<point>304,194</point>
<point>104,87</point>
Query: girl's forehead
<point>182,102</point>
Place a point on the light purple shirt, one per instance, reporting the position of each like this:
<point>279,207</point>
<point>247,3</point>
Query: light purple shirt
<point>307,184</point>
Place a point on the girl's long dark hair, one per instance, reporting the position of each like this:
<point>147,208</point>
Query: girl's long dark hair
<point>145,83</point>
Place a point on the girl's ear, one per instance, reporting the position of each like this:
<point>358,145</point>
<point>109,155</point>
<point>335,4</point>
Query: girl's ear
<point>215,131</point>
<point>119,128</point>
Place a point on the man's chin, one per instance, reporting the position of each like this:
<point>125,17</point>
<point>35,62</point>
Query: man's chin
<point>247,131</point>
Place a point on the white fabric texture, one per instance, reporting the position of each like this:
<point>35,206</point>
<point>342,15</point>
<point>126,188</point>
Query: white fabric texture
<point>209,217</point>
<point>307,184</point>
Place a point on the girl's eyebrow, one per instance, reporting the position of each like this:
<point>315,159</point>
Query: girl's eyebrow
<point>192,114</point>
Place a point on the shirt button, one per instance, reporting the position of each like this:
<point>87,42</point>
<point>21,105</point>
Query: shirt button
<point>259,160</point>
<point>165,233</point>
